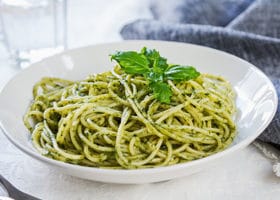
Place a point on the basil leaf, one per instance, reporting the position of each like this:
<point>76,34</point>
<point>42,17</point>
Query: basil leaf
<point>161,91</point>
<point>158,63</point>
<point>132,62</point>
<point>181,73</point>
<point>155,69</point>
<point>155,77</point>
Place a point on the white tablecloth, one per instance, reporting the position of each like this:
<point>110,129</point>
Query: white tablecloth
<point>247,174</point>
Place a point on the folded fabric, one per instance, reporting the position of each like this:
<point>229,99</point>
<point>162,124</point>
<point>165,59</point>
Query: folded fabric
<point>262,18</point>
<point>253,35</point>
<point>211,12</point>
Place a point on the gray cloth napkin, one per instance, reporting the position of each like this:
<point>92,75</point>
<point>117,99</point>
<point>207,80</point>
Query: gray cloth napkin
<point>249,29</point>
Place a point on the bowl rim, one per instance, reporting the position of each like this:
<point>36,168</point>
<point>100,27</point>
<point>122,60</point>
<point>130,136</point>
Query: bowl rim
<point>142,171</point>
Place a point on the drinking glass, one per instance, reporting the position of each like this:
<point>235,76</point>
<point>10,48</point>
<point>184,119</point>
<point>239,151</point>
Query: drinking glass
<point>33,29</point>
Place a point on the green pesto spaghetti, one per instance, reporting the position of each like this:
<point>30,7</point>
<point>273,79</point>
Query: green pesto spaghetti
<point>117,120</point>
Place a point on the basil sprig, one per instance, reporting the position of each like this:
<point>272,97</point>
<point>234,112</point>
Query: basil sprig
<point>155,69</point>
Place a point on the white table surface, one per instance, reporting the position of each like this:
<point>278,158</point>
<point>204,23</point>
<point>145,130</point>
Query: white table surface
<point>247,174</point>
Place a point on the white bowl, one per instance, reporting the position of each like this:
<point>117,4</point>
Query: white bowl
<point>256,101</point>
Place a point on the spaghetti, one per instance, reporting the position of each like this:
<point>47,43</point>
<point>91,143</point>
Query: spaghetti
<point>111,120</point>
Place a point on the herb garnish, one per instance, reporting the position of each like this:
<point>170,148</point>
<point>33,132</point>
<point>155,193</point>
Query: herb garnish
<point>155,69</point>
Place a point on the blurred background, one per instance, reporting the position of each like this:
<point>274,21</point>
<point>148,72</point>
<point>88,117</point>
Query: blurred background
<point>32,29</point>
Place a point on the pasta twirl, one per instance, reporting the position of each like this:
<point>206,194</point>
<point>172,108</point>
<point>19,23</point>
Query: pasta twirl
<point>111,120</point>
